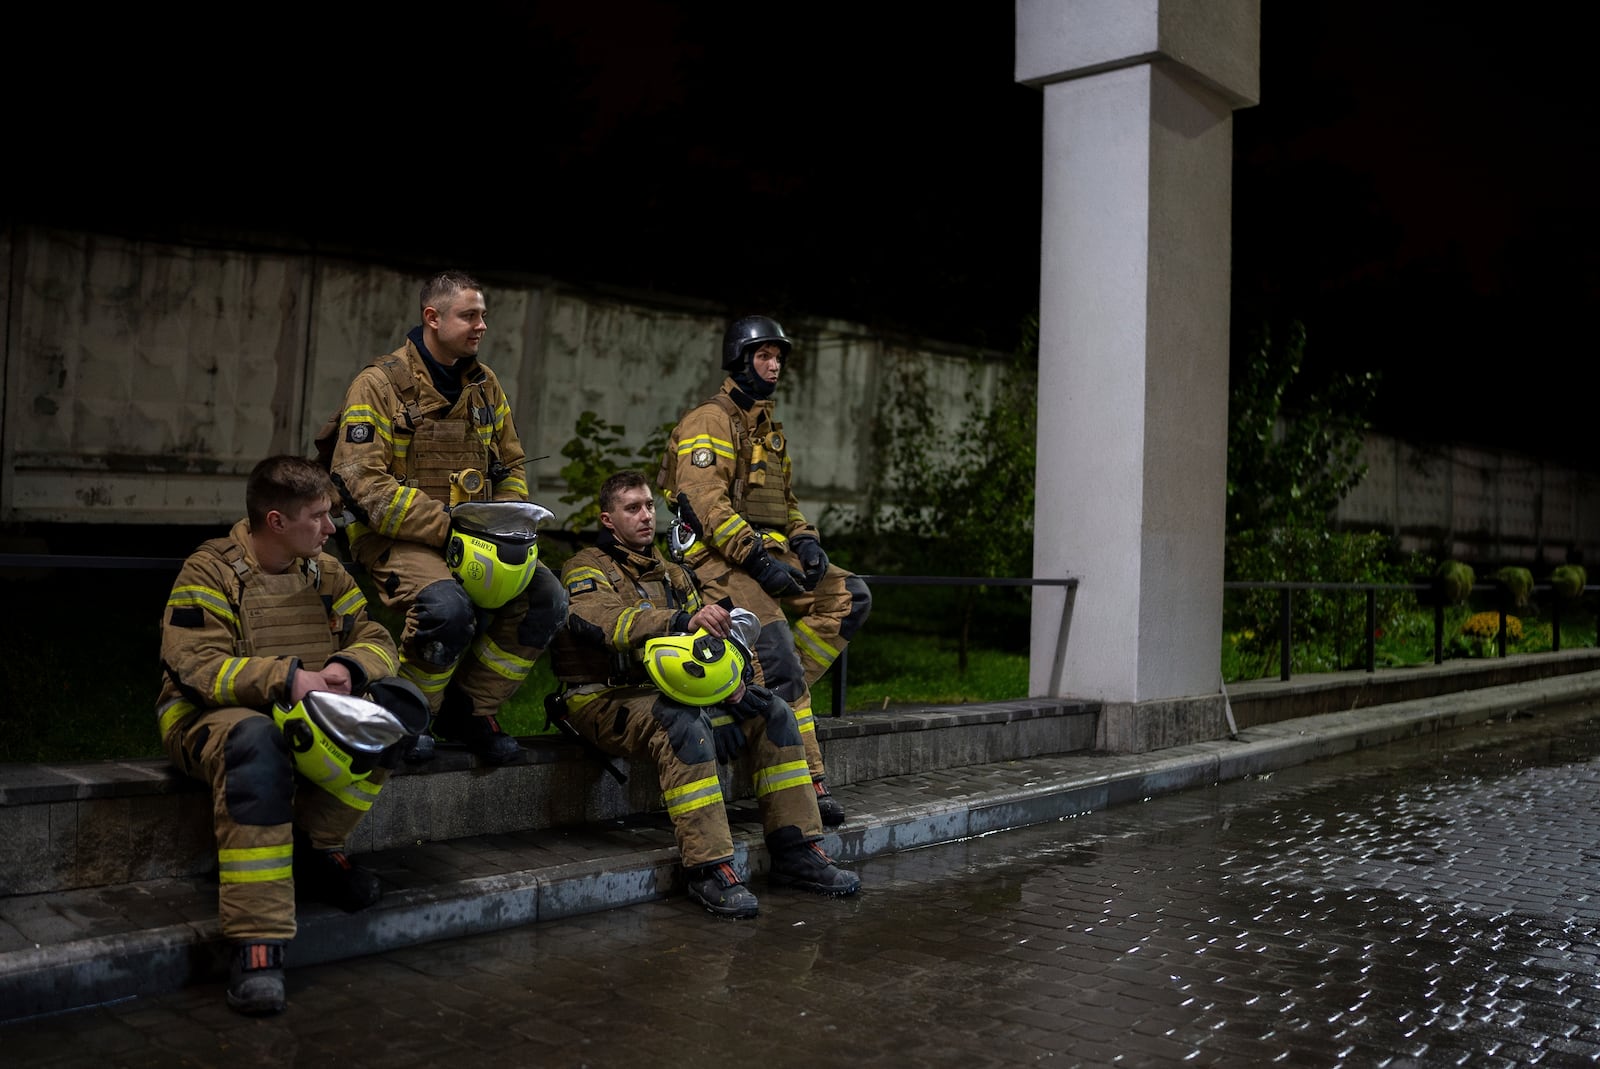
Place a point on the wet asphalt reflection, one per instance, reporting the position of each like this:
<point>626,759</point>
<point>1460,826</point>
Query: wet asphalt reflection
<point>1425,904</point>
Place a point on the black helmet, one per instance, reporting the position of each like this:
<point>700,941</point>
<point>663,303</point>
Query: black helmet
<point>751,331</point>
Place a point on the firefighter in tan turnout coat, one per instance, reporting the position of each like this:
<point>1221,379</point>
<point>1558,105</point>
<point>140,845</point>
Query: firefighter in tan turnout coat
<point>256,624</point>
<point>653,672</point>
<point>727,471</point>
<point>421,430</point>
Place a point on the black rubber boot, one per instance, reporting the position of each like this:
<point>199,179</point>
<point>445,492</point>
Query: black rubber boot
<point>719,889</point>
<point>329,876</point>
<point>457,722</point>
<point>805,866</point>
<point>828,807</point>
<point>418,748</point>
<point>255,978</point>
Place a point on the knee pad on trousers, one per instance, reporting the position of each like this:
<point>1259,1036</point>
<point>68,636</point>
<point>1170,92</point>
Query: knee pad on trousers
<point>780,663</point>
<point>687,731</point>
<point>547,610</point>
<point>860,606</point>
<point>446,619</point>
<point>260,773</point>
<point>782,730</point>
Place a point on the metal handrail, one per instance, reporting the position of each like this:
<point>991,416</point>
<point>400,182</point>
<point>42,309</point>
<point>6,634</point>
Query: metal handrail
<point>1286,612</point>
<point>840,670</point>
<point>840,666</point>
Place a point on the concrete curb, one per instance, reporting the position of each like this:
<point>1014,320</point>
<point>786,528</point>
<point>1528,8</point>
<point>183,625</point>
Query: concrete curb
<point>944,806</point>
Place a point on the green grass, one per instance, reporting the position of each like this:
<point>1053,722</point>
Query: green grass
<point>1405,638</point>
<point>79,658</point>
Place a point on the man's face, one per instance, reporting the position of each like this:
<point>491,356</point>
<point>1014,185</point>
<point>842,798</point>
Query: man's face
<point>307,528</point>
<point>767,363</point>
<point>633,518</point>
<point>457,327</point>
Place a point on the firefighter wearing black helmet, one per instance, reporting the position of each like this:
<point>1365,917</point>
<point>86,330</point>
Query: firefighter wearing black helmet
<point>727,468</point>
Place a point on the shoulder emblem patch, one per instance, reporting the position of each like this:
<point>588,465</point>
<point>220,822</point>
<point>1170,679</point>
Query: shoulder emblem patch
<point>358,433</point>
<point>702,458</point>
<point>581,586</point>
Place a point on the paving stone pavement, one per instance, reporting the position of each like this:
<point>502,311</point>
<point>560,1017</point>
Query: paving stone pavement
<point>1425,903</point>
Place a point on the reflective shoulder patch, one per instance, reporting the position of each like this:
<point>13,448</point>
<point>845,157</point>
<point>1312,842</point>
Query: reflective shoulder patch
<point>358,433</point>
<point>188,616</point>
<point>702,458</point>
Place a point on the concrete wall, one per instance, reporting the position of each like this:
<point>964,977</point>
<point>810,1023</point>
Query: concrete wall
<point>1476,504</point>
<point>143,380</point>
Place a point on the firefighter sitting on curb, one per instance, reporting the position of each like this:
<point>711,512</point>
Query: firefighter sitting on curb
<point>422,432</point>
<point>727,472</point>
<point>636,620</point>
<point>266,653</point>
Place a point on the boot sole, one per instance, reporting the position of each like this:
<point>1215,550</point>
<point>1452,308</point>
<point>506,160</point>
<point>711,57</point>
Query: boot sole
<point>722,911</point>
<point>780,880</point>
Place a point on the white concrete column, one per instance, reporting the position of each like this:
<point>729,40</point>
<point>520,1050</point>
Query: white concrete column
<point>1133,343</point>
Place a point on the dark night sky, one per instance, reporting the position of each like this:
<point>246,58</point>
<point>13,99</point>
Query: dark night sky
<point>1415,184</point>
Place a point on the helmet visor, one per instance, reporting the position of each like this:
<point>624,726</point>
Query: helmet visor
<point>516,521</point>
<point>356,725</point>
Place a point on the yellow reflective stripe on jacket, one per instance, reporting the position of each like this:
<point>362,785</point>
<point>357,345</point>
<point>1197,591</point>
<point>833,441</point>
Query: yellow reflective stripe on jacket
<point>733,527</point>
<point>781,777</point>
<point>621,634</point>
<point>226,674</point>
<point>257,864</point>
<point>378,652</point>
<point>169,715</point>
<point>381,426</point>
<point>499,660</point>
<point>692,796</point>
<point>514,483</point>
<point>208,598</point>
<point>579,574</point>
<point>395,514</point>
<point>351,603</point>
<point>718,446</point>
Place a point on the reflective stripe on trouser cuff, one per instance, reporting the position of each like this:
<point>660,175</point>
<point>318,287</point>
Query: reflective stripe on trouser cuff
<point>810,644</point>
<point>500,661</point>
<point>256,864</point>
<point>428,681</point>
<point>692,796</point>
<point>780,777</point>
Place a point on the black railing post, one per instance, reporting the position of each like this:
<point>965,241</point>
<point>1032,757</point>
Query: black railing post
<point>1372,625</point>
<point>1555,621</point>
<point>1438,634</point>
<point>1501,639</point>
<point>840,670</point>
<point>1286,606</point>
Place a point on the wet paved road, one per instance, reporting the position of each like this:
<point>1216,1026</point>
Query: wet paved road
<point>1426,904</point>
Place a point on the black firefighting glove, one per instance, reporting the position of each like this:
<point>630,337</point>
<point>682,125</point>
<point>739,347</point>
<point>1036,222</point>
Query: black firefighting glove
<point>756,701</point>
<point>778,580</point>
<point>812,559</point>
<point>726,733</point>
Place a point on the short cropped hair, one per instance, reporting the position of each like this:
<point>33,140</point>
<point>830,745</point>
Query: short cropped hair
<point>614,487</point>
<point>283,484</point>
<point>440,290</point>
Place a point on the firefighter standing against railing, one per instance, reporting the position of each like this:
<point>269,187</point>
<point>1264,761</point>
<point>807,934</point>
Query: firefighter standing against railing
<point>727,469</point>
<point>421,429</point>
<point>266,654</point>
<point>653,672</point>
